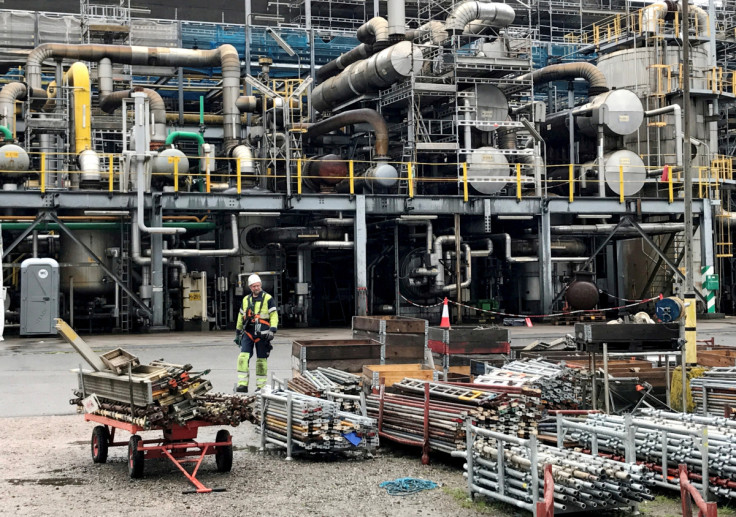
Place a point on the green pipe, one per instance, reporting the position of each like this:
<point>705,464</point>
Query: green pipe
<point>185,135</point>
<point>99,226</point>
<point>6,133</point>
<point>201,111</point>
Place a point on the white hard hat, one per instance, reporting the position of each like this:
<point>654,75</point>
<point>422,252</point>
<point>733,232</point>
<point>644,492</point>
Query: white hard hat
<point>254,279</point>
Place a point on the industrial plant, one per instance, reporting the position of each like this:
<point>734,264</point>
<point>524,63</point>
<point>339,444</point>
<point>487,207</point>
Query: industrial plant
<point>363,158</point>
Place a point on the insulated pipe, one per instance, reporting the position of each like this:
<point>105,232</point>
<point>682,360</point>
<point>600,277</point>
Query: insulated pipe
<point>496,15</point>
<point>244,155</point>
<point>226,252</point>
<point>677,110</point>
<point>335,66</point>
<point>247,103</point>
<point>396,20</point>
<point>653,13</point>
<point>374,32</point>
<point>468,271</point>
<point>8,95</point>
<point>435,29</point>
<point>359,116</point>
<point>369,75</point>
<point>110,101</point>
<point>135,244</point>
<point>568,72</point>
<point>333,245</point>
<point>608,228</point>
<point>439,283</point>
<point>224,56</point>
<point>78,78</point>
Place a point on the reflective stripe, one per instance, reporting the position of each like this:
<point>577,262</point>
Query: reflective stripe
<point>241,311</point>
<point>272,309</point>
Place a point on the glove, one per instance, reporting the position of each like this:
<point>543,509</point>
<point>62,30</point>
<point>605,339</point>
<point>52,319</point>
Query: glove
<point>270,335</point>
<point>238,335</point>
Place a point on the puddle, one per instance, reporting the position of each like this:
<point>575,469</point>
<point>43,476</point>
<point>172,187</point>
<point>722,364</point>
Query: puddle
<point>48,482</point>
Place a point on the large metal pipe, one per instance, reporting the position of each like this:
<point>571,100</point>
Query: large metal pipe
<point>224,56</point>
<point>9,94</point>
<point>434,28</point>
<point>497,15</point>
<point>78,78</point>
<point>336,66</point>
<point>396,20</point>
<point>369,75</point>
<point>359,116</point>
<point>568,72</point>
<point>605,229</point>
<point>653,15</point>
<point>244,155</point>
<point>374,32</point>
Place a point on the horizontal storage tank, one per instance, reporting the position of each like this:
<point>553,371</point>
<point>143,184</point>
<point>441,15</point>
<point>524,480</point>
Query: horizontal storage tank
<point>615,162</point>
<point>488,170</point>
<point>487,105</point>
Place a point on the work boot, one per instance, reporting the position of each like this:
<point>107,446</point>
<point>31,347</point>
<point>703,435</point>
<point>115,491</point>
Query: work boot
<point>242,389</point>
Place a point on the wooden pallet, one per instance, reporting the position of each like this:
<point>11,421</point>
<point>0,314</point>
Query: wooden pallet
<point>572,319</point>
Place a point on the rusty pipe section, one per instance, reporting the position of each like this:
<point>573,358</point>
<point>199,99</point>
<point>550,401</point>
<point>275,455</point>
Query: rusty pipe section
<point>569,71</point>
<point>12,92</point>
<point>359,116</point>
<point>224,56</point>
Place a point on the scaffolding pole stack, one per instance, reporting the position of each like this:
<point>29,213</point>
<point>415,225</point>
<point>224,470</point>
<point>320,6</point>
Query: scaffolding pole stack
<point>715,392</point>
<point>332,384</point>
<point>301,423</point>
<point>581,482</point>
<point>661,441</point>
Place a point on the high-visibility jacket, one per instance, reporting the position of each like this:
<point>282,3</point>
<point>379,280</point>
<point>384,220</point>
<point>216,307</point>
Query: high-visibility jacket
<point>262,307</point>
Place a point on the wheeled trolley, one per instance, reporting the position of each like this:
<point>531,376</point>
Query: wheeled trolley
<point>178,444</point>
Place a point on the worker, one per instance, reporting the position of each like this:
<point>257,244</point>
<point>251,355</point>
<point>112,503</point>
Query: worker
<point>258,321</point>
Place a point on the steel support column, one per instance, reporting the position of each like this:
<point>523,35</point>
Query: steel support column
<point>359,252</point>
<point>545,261</point>
<point>157,266</point>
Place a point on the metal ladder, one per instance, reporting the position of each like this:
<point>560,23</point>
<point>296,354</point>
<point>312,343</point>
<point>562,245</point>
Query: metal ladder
<point>124,274</point>
<point>444,390</point>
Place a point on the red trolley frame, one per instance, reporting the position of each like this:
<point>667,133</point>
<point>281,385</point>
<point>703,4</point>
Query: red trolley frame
<point>178,445</point>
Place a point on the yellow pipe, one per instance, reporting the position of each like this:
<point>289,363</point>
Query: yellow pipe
<point>78,77</point>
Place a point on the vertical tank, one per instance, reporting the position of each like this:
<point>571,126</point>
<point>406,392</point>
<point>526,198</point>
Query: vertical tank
<point>88,279</point>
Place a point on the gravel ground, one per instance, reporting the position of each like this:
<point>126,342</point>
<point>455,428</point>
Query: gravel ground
<point>46,466</point>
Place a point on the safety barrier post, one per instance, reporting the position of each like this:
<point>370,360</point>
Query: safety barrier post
<point>111,179</point>
<point>410,178</point>
<point>688,494</point>
<point>175,161</point>
<point>43,172</point>
<point>465,182</point>
<point>351,176</point>
<point>571,175</point>
<point>700,182</point>
<point>621,183</point>
<point>238,179</point>
<point>299,176</point>
<point>207,174</point>
<point>518,181</point>
<point>670,186</point>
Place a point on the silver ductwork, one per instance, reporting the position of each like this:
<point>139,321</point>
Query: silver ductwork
<point>375,33</point>
<point>567,72</point>
<point>224,56</point>
<point>437,256</point>
<point>396,20</point>
<point>244,155</point>
<point>496,15</point>
<point>89,165</point>
<point>359,116</point>
<point>369,75</point>
<point>653,15</point>
<point>434,29</point>
<point>336,66</point>
<point>12,92</point>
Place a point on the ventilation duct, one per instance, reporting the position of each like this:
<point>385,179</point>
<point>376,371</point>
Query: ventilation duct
<point>496,15</point>
<point>568,72</point>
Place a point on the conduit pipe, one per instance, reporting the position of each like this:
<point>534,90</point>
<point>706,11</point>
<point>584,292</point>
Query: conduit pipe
<point>359,116</point>
<point>135,244</point>
<point>608,228</point>
<point>379,71</point>
<point>496,15</point>
<point>225,252</point>
<point>375,32</point>
<point>8,95</point>
<point>568,72</point>
<point>439,282</point>
<point>224,56</point>
<point>677,110</point>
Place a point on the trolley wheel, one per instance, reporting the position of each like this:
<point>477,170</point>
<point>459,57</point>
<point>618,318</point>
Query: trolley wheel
<point>135,458</point>
<point>100,442</point>
<point>223,453</point>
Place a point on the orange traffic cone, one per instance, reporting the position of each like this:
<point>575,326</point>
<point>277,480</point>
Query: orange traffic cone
<point>445,322</point>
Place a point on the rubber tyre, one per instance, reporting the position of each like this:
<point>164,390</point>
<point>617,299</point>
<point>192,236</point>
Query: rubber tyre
<point>100,443</point>
<point>223,453</point>
<point>135,458</point>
